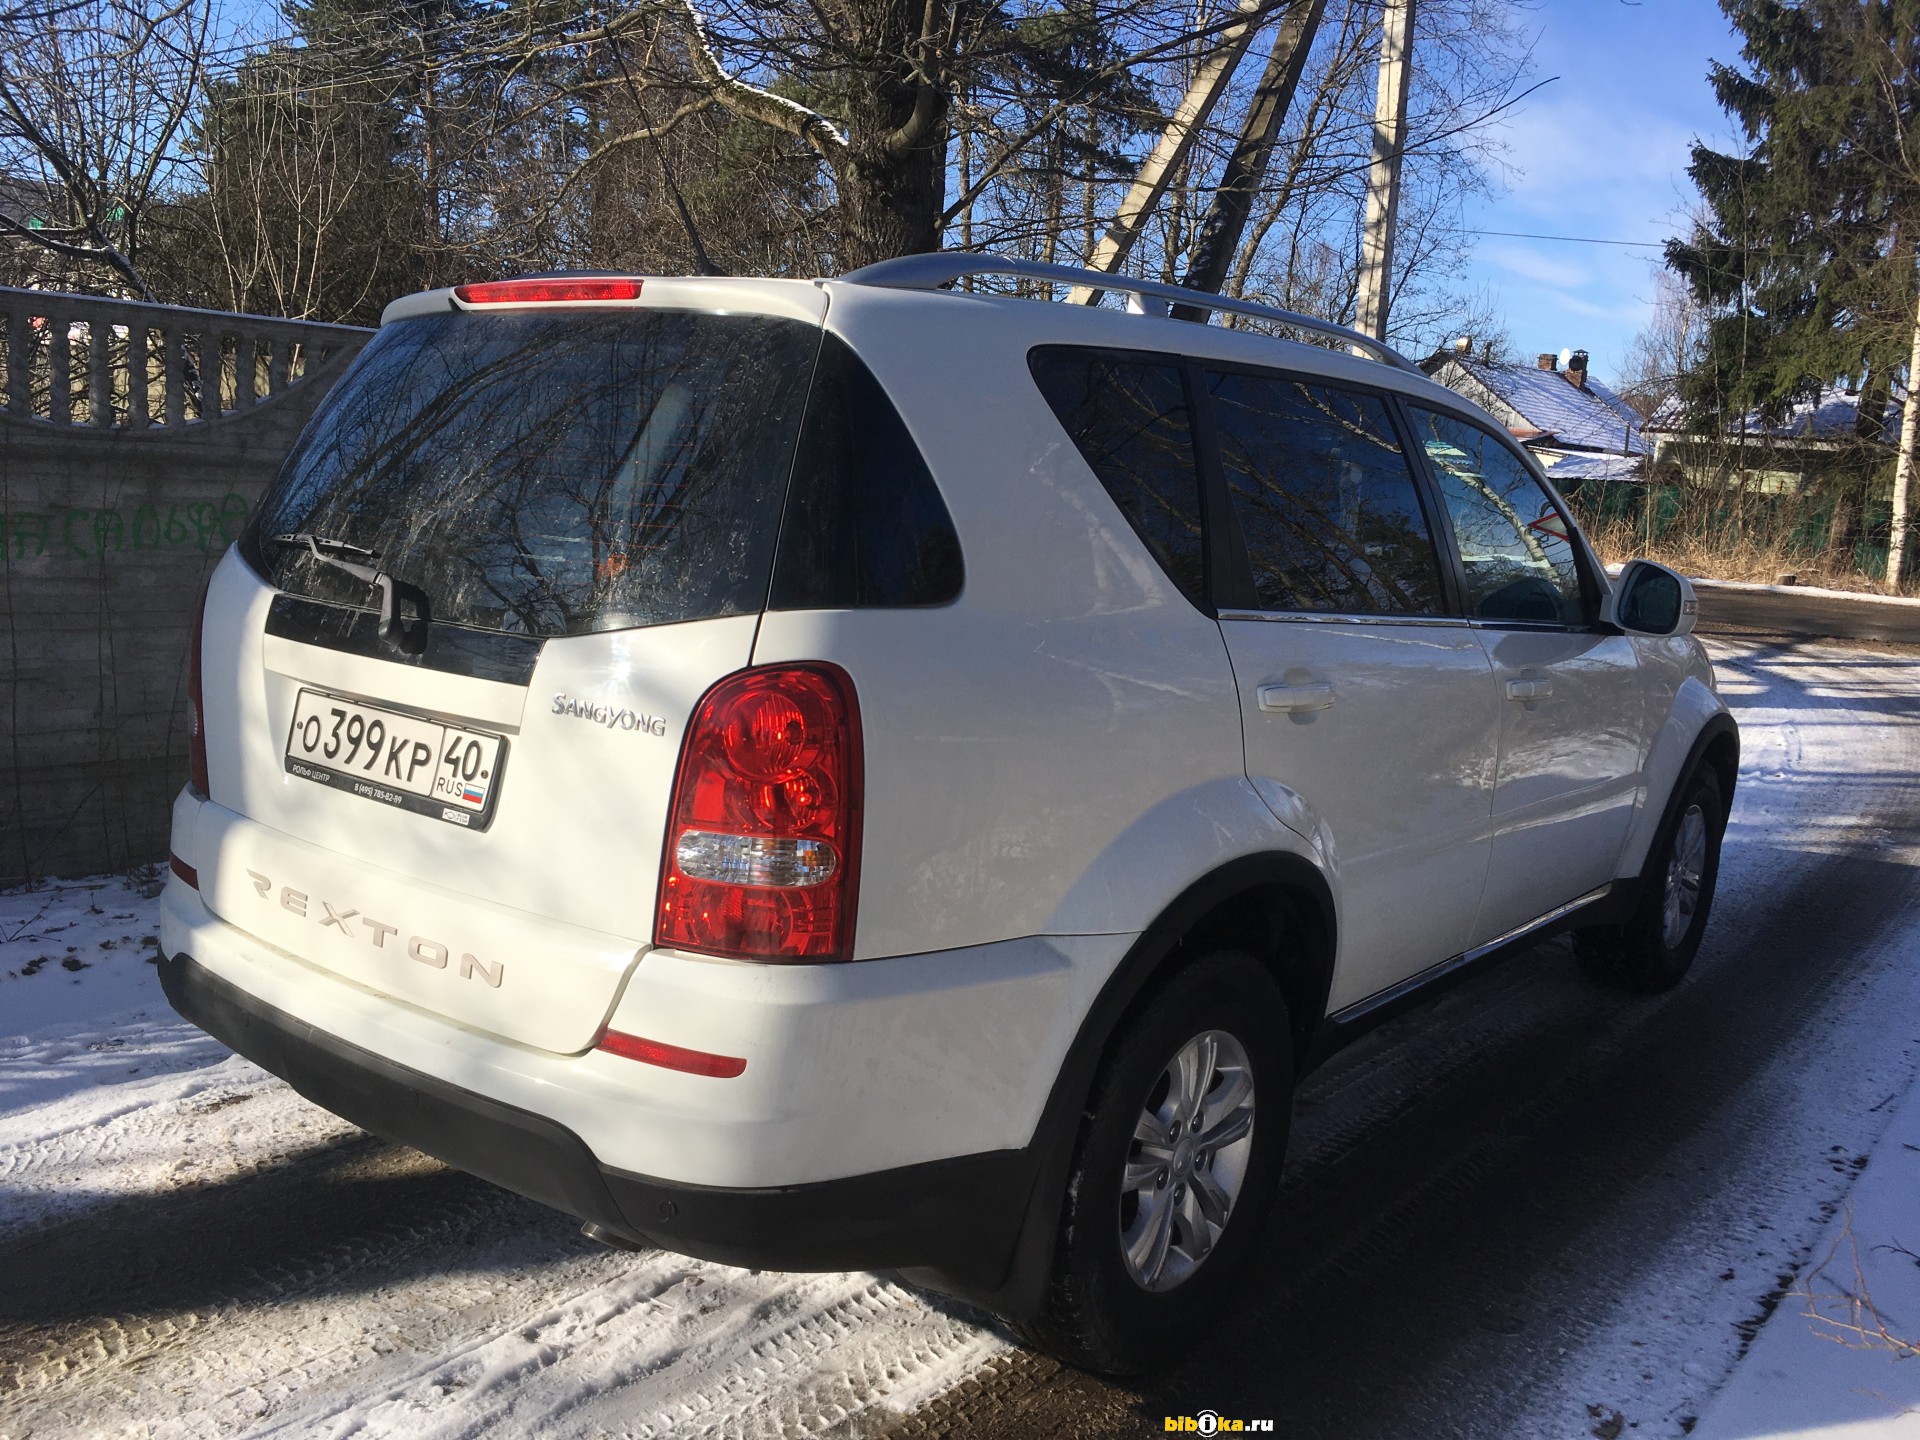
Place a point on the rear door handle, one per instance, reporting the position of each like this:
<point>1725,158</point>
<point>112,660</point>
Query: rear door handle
<point>1292,699</point>
<point>1529,689</point>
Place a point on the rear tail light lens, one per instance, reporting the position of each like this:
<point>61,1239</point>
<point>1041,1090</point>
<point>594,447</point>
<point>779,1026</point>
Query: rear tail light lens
<point>185,871</point>
<point>763,841</point>
<point>585,290</point>
<point>196,704</point>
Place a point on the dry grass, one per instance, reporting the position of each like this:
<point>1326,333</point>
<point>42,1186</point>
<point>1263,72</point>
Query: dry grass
<point>1734,557</point>
<point>1703,536</point>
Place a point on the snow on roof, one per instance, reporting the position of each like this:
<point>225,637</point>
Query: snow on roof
<point>1826,416</point>
<point>1589,466</point>
<point>1589,418</point>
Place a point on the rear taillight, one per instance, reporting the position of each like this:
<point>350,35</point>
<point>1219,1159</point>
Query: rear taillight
<point>763,838</point>
<point>560,291</point>
<point>196,705</point>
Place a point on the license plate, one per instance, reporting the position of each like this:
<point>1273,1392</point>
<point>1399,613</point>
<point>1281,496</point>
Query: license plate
<point>431,768</point>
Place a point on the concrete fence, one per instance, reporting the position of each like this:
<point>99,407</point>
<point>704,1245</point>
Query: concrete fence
<point>135,443</point>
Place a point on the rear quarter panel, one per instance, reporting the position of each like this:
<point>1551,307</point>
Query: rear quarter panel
<point>1059,750</point>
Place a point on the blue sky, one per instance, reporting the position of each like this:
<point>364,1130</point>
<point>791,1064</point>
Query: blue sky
<point>1602,152</point>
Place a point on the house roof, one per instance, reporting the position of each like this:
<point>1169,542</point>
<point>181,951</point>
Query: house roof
<point>1590,466</point>
<point>1544,407</point>
<point>1828,415</point>
<point>24,200</point>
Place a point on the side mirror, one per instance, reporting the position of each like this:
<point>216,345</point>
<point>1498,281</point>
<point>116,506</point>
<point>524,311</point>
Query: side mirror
<point>1650,599</point>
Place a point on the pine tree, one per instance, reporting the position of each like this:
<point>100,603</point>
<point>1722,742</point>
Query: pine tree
<point>1807,250</point>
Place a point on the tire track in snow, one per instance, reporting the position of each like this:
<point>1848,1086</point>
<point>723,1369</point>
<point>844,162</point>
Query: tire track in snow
<point>359,1288</point>
<point>134,1138</point>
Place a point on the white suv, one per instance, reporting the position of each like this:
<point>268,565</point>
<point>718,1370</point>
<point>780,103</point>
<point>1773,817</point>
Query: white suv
<point>856,774</point>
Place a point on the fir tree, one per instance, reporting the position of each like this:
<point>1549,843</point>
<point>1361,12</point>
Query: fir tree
<point>1806,251</point>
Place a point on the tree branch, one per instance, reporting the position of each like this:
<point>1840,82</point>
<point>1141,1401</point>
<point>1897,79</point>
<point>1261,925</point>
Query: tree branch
<point>636,137</point>
<point>754,103</point>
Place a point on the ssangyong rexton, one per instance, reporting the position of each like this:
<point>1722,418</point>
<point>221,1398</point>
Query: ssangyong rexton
<point>855,774</point>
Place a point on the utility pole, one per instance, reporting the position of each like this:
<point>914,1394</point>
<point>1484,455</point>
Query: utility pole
<point>1226,218</point>
<point>1383,177</point>
<point>1209,84</point>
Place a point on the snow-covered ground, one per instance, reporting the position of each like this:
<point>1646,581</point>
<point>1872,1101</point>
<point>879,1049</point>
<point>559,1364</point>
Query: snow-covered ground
<point>107,1097</point>
<point>1835,1362</point>
<point>458,1310</point>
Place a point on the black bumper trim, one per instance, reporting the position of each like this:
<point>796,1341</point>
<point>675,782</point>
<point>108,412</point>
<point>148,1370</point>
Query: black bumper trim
<point>960,1215</point>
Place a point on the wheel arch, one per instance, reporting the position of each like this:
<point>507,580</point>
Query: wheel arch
<point>1698,730</point>
<point>1278,907</point>
<point>1719,746</point>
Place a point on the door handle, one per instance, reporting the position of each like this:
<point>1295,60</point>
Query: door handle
<point>1529,689</point>
<point>1293,699</point>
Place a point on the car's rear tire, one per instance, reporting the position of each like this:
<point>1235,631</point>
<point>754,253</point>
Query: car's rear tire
<point>1173,1169</point>
<point>1654,949</point>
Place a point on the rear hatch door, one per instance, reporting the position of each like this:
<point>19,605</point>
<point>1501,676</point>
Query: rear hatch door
<point>585,499</point>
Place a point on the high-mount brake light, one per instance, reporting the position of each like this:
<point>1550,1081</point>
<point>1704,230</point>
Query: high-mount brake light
<point>762,856</point>
<point>669,1057</point>
<point>547,292</point>
<point>196,704</point>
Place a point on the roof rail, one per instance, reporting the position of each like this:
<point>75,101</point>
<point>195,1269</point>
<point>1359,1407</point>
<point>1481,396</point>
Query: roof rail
<point>1144,297</point>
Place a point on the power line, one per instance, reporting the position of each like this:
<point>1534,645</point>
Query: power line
<point>1571,239</point>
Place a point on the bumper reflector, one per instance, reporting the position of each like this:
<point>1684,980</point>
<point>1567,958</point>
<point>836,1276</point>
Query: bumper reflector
<point>670,1057</point>
<point>185,871</point>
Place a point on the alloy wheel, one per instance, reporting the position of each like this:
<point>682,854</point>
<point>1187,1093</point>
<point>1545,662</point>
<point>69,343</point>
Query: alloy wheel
<point>1685,866</point>
<point>1188,1160</point>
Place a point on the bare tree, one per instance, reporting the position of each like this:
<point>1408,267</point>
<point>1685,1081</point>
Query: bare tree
<point>1668,347</point>
<point>94,95</point>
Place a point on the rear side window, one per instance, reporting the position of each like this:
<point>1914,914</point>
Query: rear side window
<point>1516,549</point>
<point>1128,417</point>
<point>552,473</point>
<point>1324,496</point>
<point>865,524</point>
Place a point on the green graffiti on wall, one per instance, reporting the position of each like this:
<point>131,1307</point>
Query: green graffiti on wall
<point>75,532</point>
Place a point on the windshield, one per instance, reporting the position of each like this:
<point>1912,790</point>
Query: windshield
<point>551,473</point>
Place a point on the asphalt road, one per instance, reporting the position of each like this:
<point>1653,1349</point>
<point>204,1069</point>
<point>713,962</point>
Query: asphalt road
<point>1776,614</point>
<point>1474,1193</point>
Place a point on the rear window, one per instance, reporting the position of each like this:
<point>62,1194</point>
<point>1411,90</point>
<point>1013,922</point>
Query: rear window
<point>552,473</point>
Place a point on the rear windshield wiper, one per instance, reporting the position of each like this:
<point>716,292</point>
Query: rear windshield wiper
<point>408,635</point>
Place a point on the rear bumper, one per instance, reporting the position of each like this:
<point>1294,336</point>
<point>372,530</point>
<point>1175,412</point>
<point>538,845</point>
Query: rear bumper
<point>851,1069</point>
<point>958,1215</point>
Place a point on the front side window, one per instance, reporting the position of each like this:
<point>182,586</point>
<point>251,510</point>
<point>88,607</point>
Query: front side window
<point>1127,415</point>
<point>1516,547</point>
<point>1323,494</point>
